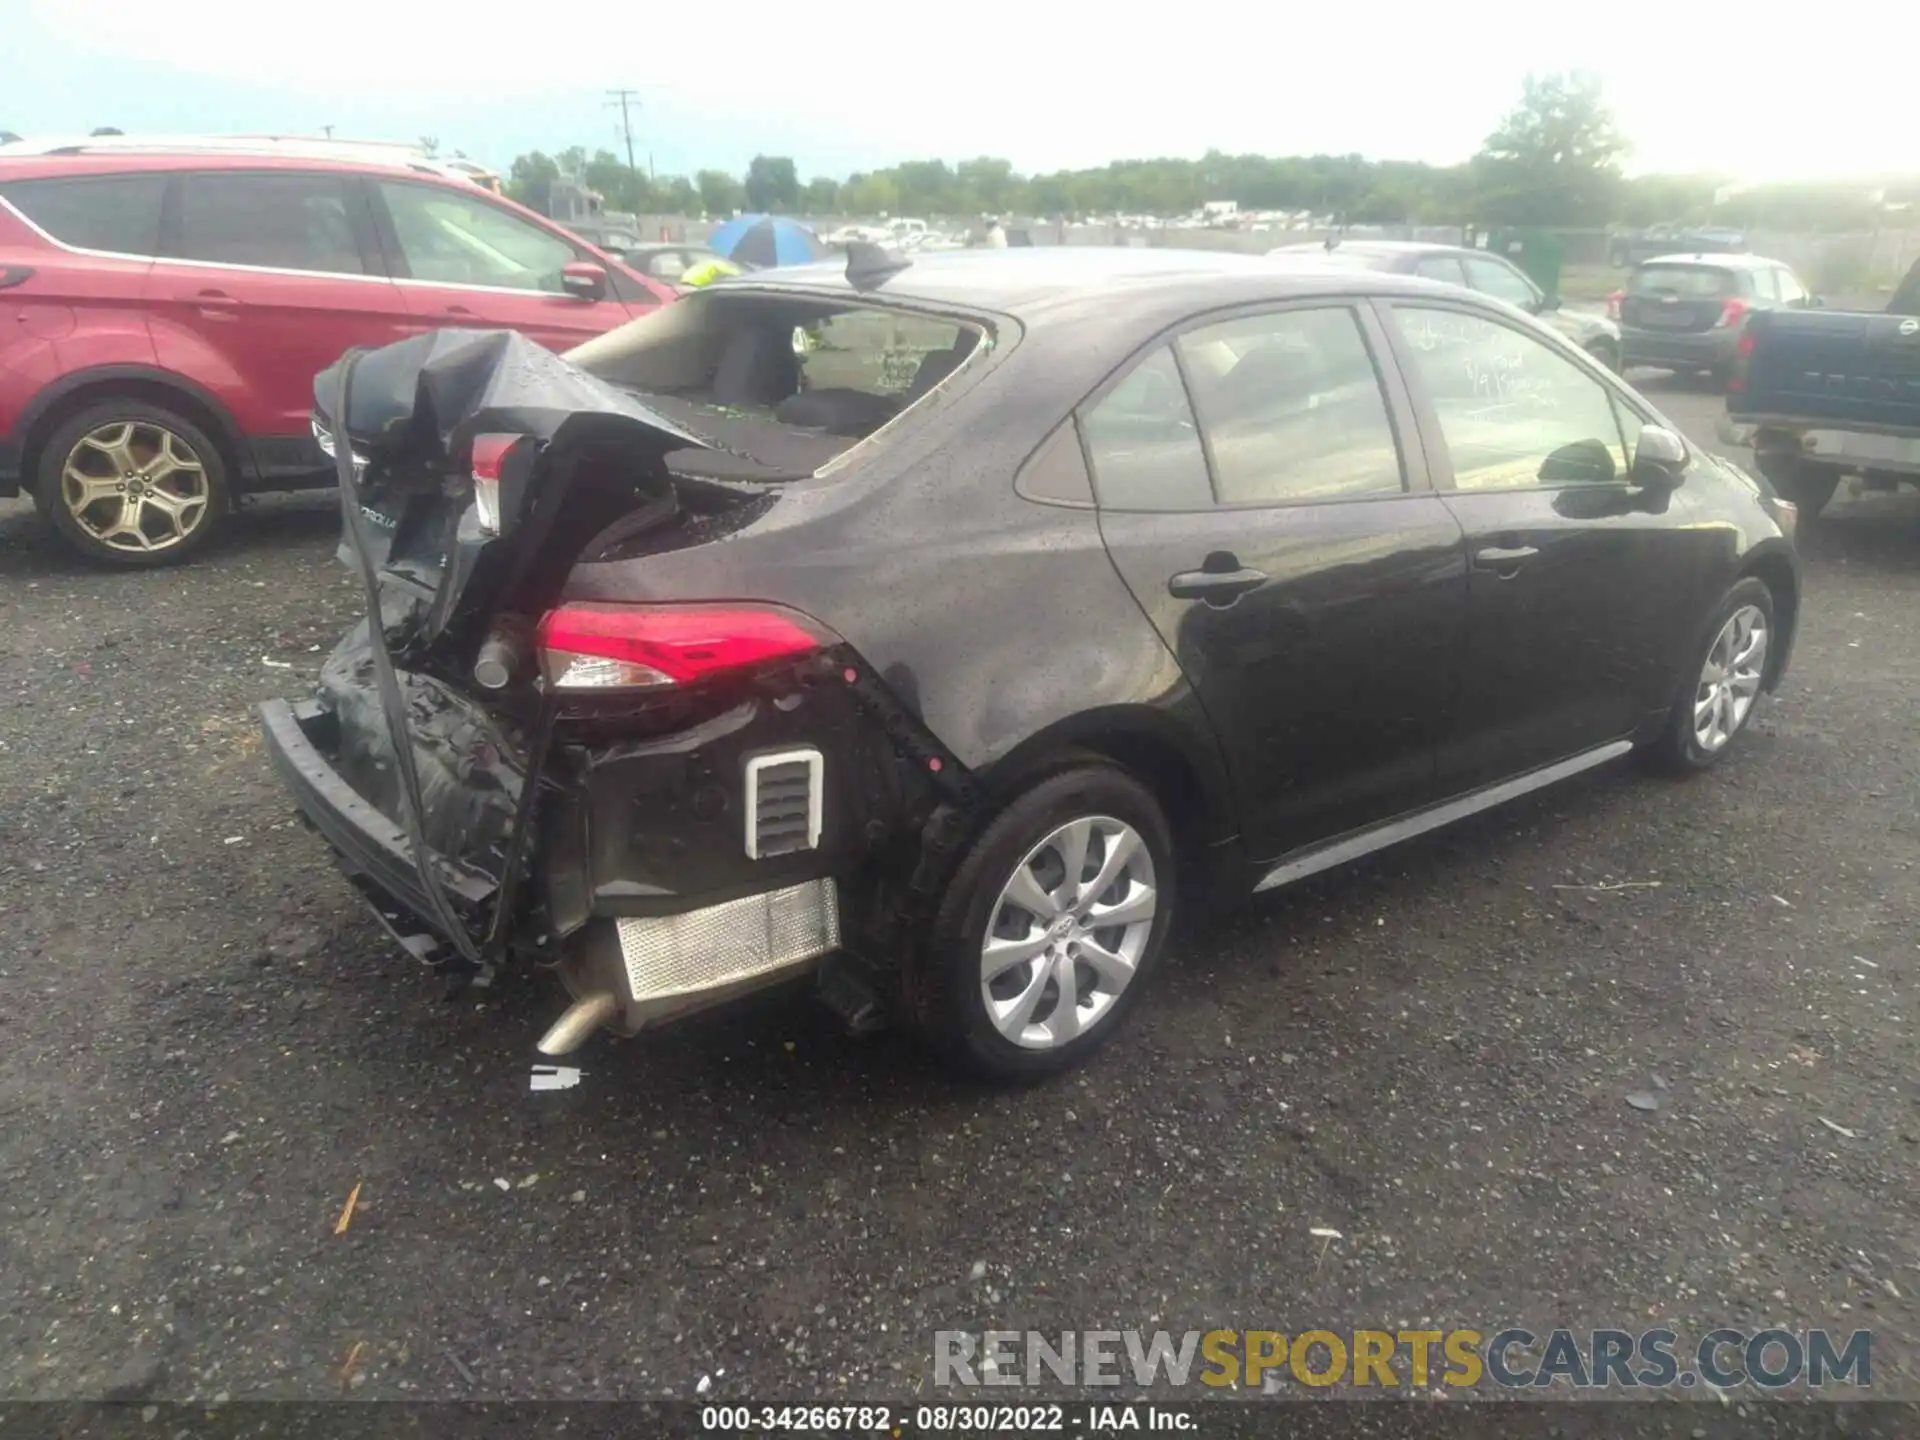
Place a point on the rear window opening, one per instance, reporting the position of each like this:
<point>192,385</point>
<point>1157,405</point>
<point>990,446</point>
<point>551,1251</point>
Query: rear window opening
<point>1689,282</point>
<point>785,383</point>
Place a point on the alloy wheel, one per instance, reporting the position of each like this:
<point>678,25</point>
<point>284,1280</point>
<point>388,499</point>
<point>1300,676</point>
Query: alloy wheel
<point>1730,679</point>
<point>1068,932</point>
<point>134,485</point>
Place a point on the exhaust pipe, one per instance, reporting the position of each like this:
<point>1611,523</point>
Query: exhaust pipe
<point>576,1026</point>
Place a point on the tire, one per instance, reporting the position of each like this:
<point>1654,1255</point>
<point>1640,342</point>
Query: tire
<point>132,450</point>
<point>1809,487</point>
<point>1025,840</point>
<point>1681,748</point>
<point>1607,353</point>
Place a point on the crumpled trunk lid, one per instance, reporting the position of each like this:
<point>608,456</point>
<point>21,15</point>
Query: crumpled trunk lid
<point>585,456</point>
<point>459,558</point>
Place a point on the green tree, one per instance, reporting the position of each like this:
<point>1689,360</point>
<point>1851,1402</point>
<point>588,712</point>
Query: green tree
<point>822,196</point>
<point>720,193</point>
<point>675,195</point>
<point>623,190</point>
<point>876,194</point>
<point>772,184</point>
<point>530,179</point>
<point>1555,160</point>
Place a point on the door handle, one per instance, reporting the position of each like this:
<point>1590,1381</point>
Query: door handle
<point>455,310</point>
<point>1217,587</point>
<point>211,299</point>
<point>1504,558</point>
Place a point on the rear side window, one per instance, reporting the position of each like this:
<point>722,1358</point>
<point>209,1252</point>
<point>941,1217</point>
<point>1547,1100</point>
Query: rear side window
<point>1502,281</point>
<point>1763,285</point>
<point>1688,282</point>
<point>1291,407</point>
<point>283,221</point>
<point>1445,268</point>
<point>1143,444</point>
<point>1792,292</point>
<point>119,213</point>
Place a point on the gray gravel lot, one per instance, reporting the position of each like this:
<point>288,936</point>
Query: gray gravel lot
<point>205,1045</point>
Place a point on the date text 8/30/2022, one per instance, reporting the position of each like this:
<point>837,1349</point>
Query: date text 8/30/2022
<point>955,1419</point>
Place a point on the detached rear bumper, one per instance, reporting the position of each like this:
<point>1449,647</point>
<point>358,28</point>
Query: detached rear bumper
<point>371,849</point>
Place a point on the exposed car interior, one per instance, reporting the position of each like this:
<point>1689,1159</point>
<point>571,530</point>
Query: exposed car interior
<point>836,371</point>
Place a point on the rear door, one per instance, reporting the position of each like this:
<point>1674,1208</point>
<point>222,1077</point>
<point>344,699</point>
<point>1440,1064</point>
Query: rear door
<point>1257,497</point>
<point>464,261</point>
<point>1493,276</point>
<point>1678,298</point>
<point>1578,582</point>
<point>76,251</point>
<point>264,279</point>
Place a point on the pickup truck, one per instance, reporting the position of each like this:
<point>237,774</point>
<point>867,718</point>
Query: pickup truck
<point>1823,394</point>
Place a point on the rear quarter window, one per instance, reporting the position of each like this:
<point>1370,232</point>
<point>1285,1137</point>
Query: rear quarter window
<point>116,213</point>
<point>1689,282</point>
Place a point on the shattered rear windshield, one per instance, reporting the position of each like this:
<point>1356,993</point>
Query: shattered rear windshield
<point>786,383</point>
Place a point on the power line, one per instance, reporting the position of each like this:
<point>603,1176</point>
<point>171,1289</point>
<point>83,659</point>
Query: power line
<point>624,99</point>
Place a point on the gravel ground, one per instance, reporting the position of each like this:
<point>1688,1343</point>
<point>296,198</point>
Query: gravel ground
<point>205,1046</point>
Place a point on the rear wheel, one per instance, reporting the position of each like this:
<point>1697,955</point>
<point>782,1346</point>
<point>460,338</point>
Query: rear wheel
<point>1049,926</point>
<point>129,483</point>
<point>1722,685</point>
<point>1607,353</point>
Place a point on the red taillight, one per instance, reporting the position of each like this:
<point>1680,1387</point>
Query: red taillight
<point>624,647</point>
<point>491,471</point>
<point>1745,344</point>
<point>1732,312</point>
<point>1613,304</point>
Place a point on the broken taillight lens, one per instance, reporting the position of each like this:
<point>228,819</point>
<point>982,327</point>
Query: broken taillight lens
<point>1732,312</point>
<point>591,646</point>
<point>491,465</point>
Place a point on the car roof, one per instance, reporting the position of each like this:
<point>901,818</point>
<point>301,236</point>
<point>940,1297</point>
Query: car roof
<point>42,165</point>
<point>1052,282</point>
<point>1714,260</point>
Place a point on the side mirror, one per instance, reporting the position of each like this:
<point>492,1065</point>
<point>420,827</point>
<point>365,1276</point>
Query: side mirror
<point>1546,303</point>
<point>1659,459</point>
<point>583,280</point>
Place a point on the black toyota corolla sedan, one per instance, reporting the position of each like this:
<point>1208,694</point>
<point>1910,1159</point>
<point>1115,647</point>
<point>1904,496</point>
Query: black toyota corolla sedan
<point>935,629</point>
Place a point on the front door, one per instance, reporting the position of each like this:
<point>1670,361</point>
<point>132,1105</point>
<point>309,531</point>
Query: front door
<point>466,262</point>
<point>1256,498</point>
<point>1578,582</point>
<point>264,279</point>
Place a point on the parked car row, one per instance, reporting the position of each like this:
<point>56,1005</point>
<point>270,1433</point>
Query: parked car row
<point>163,313</point>
<point>1482,270</point>
<point>713,661</point>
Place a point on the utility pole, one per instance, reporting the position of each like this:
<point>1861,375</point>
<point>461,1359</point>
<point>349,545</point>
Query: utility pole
<point>624,99</point>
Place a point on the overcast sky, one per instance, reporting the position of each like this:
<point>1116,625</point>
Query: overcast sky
<point>851,84</point>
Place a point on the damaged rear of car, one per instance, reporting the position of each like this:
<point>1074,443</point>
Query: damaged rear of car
<point>552,751</point>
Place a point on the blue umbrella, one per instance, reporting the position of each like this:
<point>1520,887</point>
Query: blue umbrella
<point>762,240</point>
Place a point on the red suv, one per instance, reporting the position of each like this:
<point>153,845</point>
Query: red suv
<point>162,317</point>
